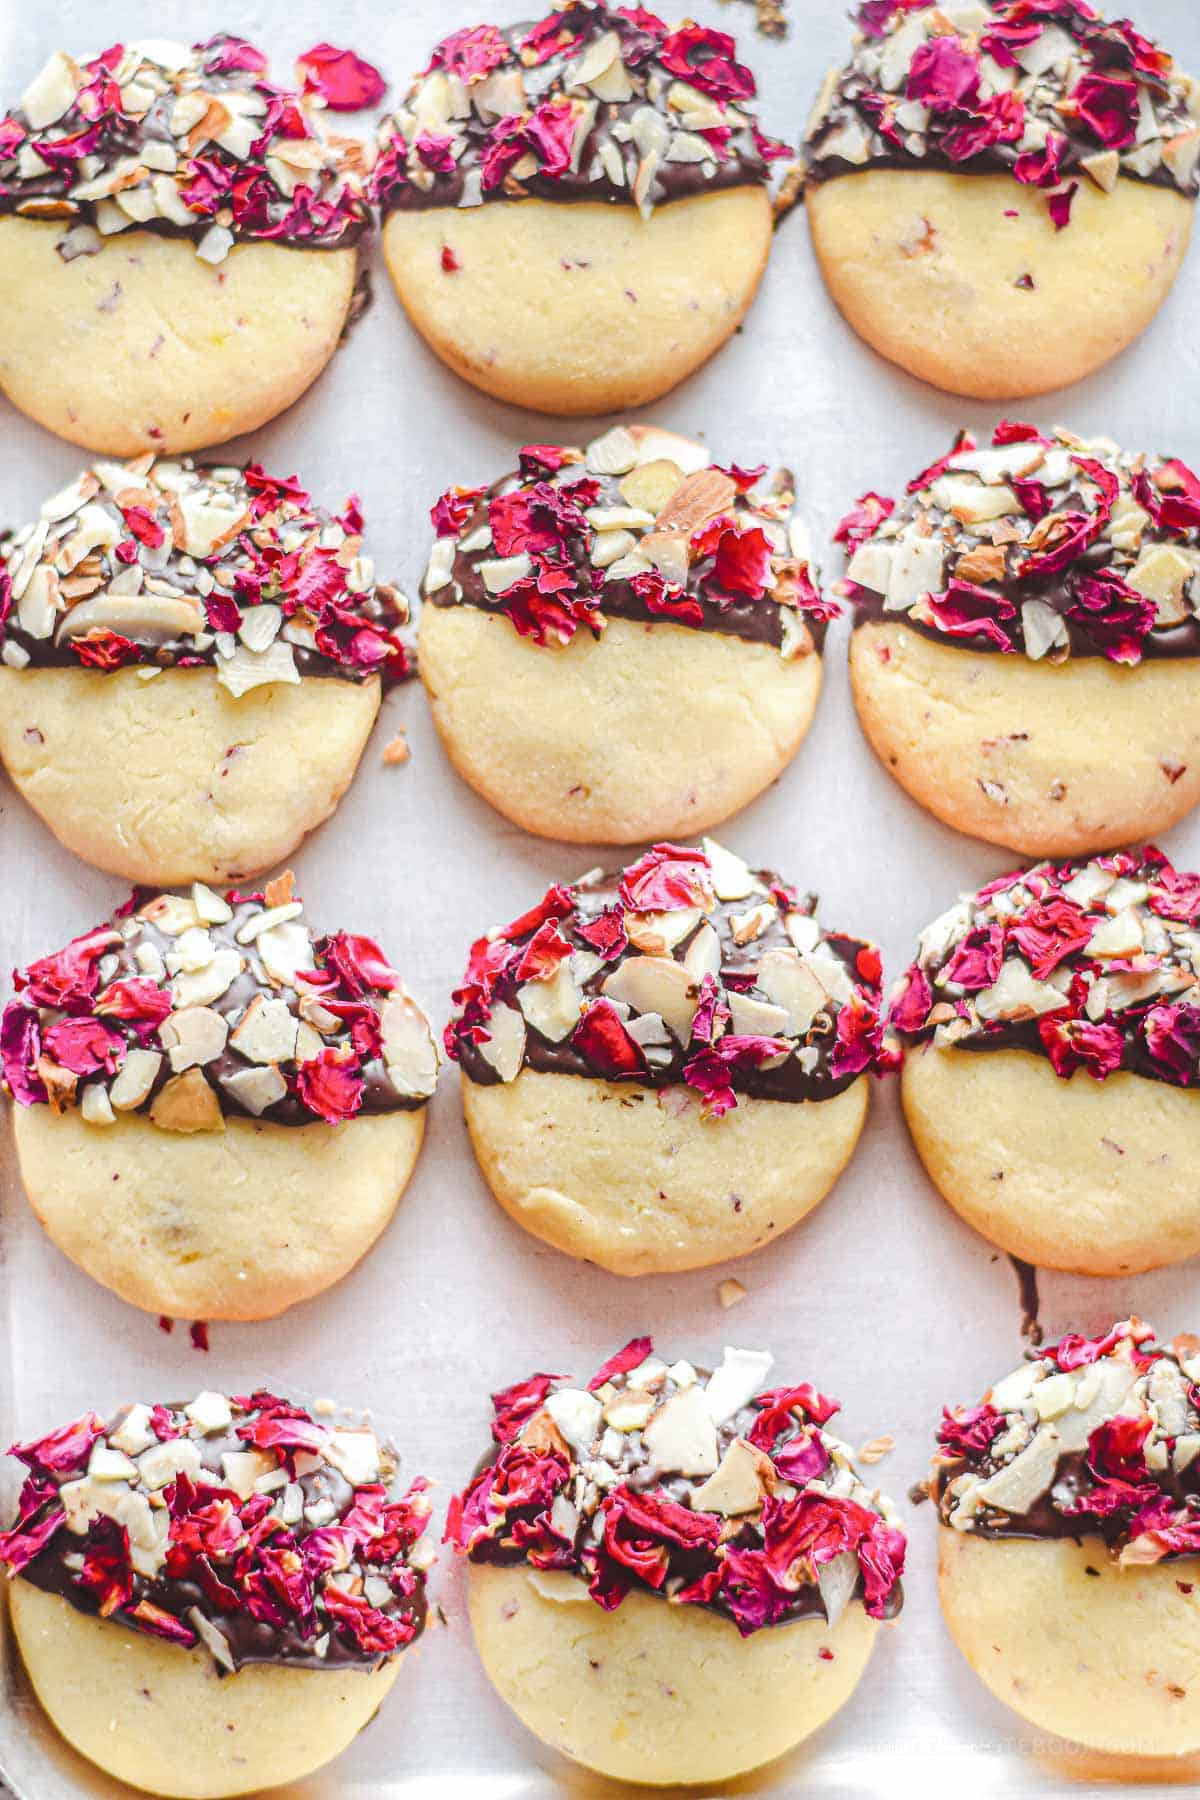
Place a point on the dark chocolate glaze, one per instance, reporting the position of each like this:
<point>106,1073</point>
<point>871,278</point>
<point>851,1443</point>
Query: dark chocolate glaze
<point>742,164</point>
<point>788,1082</point>
<point>250,1640</point>
<point>1046,1518</point>
<point>755,621</point>
<point>1171,644</point>
<point>1022,1034</point>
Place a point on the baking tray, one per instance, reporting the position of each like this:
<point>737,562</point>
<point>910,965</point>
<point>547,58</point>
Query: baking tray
<point>882,1296</point>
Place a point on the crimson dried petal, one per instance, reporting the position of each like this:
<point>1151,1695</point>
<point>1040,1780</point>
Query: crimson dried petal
<point>331,1085</point>
<point>543,954</point>
<point>858,1035</point>
<point>84,1046</point>
<point>601,1037</point>
<point>975,963</point>
<point>1175,895</point>
<point>864,519</point>
<point>375,1632</point>
<point>472,54</point>
<point>1076,1352</point>
<point>436,152</point>
<point>641,1530</point>
<point>966,610</point>
<point>1175,505</point>
<point>1173,1040</point>
<point>27,1539</point>
<point>802,1459</point>
<point>359,964</point>
<point>998,120</point>
<point>232,53</point>
<point>1050,931</point>
<point>969,1430</point>
<point>550,135</point>
<point>741,559</point>
<point>671,602</point>
<point>778,1406</point>
<point>1115,615</point>
<point>1109,109</point>
<point>912,1002</point>
<point>138,1001</point>
<point>1017,431</point>
<point>1043,168</point>
<point>1073,1044</point>
<point>344,81</point>
<point>632,1356</point>
<point>105,650</point>
<point>514,1405</point>
<point>874,17</point>
<point>158,1623</point>
<point>20,1047</point>
<point>62,1452</point>
<point>667,878</point>
<point>605,932</point>
<point>707,60</point>
<point>1002,40</point>
<point>943,75</point>
<point>709,1070</point>
<point>964,441</point>
<point>107,1572</point>
<point>542,459</point>
<point>285,1430</point>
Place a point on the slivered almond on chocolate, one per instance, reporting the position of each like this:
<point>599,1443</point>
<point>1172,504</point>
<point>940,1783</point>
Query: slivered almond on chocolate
<point>281,891</point>
<point>696,500</point>
<point>187,1103</point>
<point>984,563</point>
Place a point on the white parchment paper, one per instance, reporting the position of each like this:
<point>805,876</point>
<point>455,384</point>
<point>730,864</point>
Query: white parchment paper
<point>882,1297</point>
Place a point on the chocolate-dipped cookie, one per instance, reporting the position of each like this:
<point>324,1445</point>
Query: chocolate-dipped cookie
<point>1069,1559</point>
<point>177,245</point>
<point>577,212</point>
<point>622,642</point>
<point>1026,639</point>
<point>1052,1032</point>
<point>674,1576</point>
<point>216,1111</point>
<point>212,1599</point>
<point>666,1066</point>
<point>191,661</point>
<point>1001,193</point>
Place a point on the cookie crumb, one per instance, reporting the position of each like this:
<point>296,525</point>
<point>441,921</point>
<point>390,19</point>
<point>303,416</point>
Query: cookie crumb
<point>396,751</point>
<point>730,1293</point>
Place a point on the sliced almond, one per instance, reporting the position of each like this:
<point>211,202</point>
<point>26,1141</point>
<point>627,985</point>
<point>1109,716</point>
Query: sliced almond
<point>656,984</point>
<point>187,1103</point>
<point>699,498</point>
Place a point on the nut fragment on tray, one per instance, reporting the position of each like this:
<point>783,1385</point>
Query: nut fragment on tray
<point>178,245</point>
<point>666,1066</point>
<point>599,166</point>
<point>213,1598</point>
<point>191,661</point>
<point>1069,1558</point>
<point>674,1576</point>
<point>1001,193</point>
<point>622,642</point>
<point>1051,1025</point>
<point>216,1110</point>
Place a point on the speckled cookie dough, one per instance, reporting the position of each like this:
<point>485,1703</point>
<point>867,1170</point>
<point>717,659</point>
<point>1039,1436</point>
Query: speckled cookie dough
<point>216,1111</point>
<point>1051,1026</point>
<point>1069,1561</point>
<point>622,642</point>
<point>214,1598</point>
<point>666,1066</point>
<point>577,212</point>
<point>674,1576</point>
<point>177,245</point>
<point>191,662</point>
<point>1027,638</point>
<point>1001,195</point>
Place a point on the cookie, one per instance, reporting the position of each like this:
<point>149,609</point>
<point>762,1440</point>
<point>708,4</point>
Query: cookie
<point>673,1576</point>
<point>999,201</point>
<point>1052,1033</point>
<point>1026,639</point>
<point>666,1067</point>
<point>177,245</point>
<point>216,1111</point>
<point>622,642</point>
<point>191,662</point>
<point>1069,1536</point>
<point>214,1598</point>
<point>577,213</point>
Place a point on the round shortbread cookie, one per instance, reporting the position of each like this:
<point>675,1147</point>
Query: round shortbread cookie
<point>962,279</point>
<point>683,727</point>
<point>585,307</point>
<point>161,1718</point>
<point>145,346</point>
<point>1009,750</point>
<point>239,1223</point>
<point>1070,1640</point>
<point>173,779</point>
<point>624,1177</point>
<point>1097,1178</point>
<point>653,1693</point>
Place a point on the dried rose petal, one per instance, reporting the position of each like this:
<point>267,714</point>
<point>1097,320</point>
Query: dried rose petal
<point>344,81</point>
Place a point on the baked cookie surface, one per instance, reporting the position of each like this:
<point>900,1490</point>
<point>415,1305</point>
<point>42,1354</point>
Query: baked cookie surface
<point>177,245</point>
<point>214,1597</point>
<point>722,1555</point>
<point>191,662</point>
<point>1026,639</point>
<point>624,641</point>
<point>577,212</point>
<point>217,1111</point>
<point>1052,1050</point>
<point>666,1067</point>
<point>1000,202</point>
<point>1069,1541</point>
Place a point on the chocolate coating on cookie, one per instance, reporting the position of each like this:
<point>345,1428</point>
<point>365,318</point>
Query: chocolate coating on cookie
<point>701,1488</point>
<point>1050,97</point>
<point>640,524</point>
<point>688,967</point>
<point>1097,1437</point>
<point>161,563</point>
<point>590,103</point>
<point>240,1523</point>
<point>186,1008</point>
<point>1048,546</point>
<point>188,143</point>
<point>1094,965</point>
